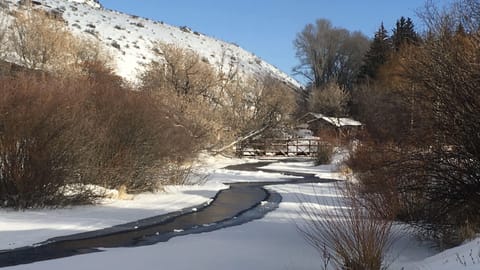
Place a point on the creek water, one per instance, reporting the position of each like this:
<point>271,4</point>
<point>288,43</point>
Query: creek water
<point>241,203</point>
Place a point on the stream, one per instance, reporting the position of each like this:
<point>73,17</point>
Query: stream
<point>239,204</point>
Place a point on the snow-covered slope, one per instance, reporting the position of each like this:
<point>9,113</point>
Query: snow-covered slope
<point>92,3</point>
<point>130,39</point>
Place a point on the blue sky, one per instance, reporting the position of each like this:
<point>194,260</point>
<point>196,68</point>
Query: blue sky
<point>268,27</point>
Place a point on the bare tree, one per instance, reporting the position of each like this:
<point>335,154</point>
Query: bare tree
<point>445,75</point>
<point>461,12</point>
<point>327,53</point>
<point>181,70</point>
<point>331,100</point>
<point>433,169</point>
<point>224,102</point>
<point>267,104</point>
<point>41,42</point>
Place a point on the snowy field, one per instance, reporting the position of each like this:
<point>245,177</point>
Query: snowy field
<point>269,243</point>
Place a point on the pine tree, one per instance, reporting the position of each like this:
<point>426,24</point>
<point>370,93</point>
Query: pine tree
<point>377,55</point>
<point>460,30</point>
<point>404,33</point>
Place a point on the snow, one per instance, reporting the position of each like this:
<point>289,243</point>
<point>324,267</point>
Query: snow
<point>304,133</point>
<point>329,171</point>
<point>137,37</point>
<point>92,3</point>
<point>337,121</point>
<point>212,168</point>
<point>33,226</point>
<point>465,257</point>
<point>269,243</point>
<point>272,242</point>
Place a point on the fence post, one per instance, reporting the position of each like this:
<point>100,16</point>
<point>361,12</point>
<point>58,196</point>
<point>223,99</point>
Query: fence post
<point>309,147</point>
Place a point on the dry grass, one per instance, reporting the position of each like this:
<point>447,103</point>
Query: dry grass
<point>346,235</point>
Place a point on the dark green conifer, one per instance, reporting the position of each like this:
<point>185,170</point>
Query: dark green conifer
<point>377,55</point>
<point>404,33</point>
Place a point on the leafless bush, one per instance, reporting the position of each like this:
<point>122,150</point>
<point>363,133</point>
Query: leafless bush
<point>346,234</point>
<point>222,104</point>
<point>38,39</point>
<point>137,135</point>
<point>62,132</point>
<point>324,154</point>
<point>181,174</point>
<point>42,42</point>
<point>444,74</point>
<point>383,110</point>
<point>377,167</point>
<point>261,104</point>
<point>37,144</point>
<point>330,100</point>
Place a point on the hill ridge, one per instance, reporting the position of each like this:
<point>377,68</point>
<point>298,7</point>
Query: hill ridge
<point>130,40</point>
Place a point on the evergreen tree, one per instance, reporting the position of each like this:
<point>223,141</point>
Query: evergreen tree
<point>461,30</point>
<point>377,54</point>
<point>404,33</point>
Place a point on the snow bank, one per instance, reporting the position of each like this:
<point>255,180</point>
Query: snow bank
<point>33,226</point>
<point>465,257</point>
<point>269,243</point>
<point>329,171</point>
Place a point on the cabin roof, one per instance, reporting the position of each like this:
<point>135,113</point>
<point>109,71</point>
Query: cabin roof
<point>336,121</point>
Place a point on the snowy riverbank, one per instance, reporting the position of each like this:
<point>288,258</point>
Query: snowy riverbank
<point>269,243</point>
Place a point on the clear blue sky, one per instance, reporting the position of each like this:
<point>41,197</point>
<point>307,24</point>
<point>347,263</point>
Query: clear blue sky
<point>268,27</point>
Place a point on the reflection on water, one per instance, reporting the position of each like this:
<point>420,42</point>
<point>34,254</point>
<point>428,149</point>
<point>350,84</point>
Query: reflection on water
<point>241,203</point>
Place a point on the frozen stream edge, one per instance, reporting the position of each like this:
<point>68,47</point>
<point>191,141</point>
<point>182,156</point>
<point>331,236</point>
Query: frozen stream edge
<point>163,227</point>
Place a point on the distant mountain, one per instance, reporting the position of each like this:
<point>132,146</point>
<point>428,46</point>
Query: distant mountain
<point>131,39</point>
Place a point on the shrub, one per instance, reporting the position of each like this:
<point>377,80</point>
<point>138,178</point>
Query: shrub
<point>137,135</point>
<point>37,144</point>
<point>222,105</point>
<point>331,100</point>
<point>40,42</point>
<point>347,234</point>
<point>428,158</point>
<point>324,153</point>
<point>422,187</point>
<point>74,132</point>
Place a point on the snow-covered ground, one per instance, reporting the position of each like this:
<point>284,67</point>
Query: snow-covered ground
<point>34,226</point>
<point>329,171</point>
<point>269,243</point>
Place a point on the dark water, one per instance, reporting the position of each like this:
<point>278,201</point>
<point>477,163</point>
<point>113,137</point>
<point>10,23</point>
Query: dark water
<point>241,203</point>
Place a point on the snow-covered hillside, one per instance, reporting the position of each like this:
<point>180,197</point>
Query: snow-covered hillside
<point>93,3</point>
<point>130,39</point>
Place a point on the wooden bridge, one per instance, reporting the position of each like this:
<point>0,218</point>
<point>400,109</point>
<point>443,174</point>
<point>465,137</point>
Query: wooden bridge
<point>279,147</point>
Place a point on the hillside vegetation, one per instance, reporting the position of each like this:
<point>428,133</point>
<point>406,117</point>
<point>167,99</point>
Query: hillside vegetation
<point>71,128</point>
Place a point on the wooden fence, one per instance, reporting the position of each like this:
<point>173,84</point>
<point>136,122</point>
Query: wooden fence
<point>284,147</point>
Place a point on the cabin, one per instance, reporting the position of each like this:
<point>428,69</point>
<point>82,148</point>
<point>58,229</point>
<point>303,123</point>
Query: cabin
<point>312,131</point>
<point>329,126</point>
